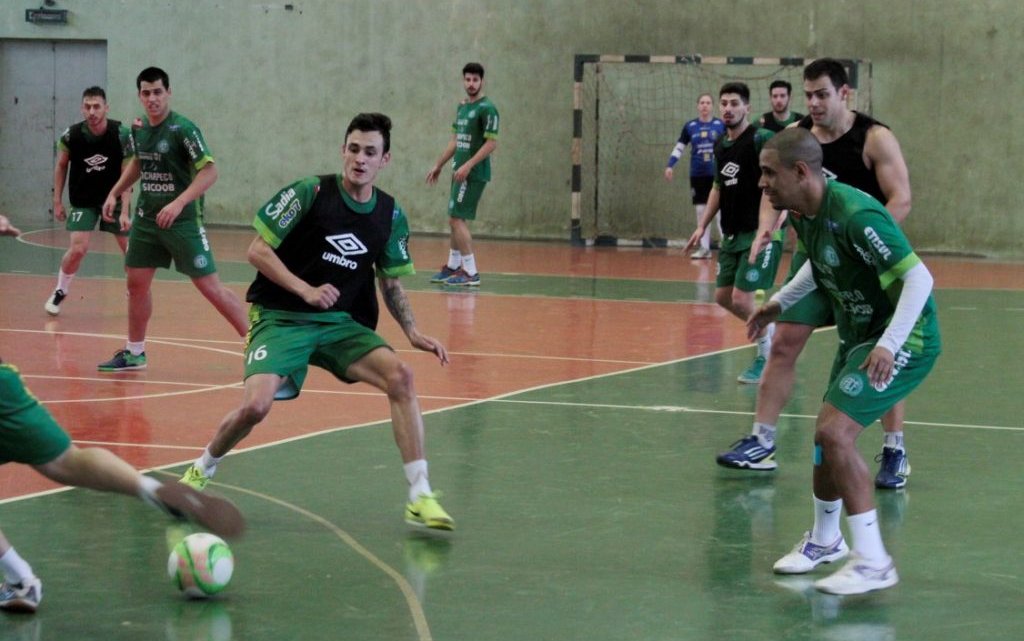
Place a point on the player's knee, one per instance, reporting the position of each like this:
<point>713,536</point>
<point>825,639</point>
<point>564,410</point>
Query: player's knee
<point>400,381</point>
<point>784,349</point>
<point>254,410</point>
<point>723,298</point>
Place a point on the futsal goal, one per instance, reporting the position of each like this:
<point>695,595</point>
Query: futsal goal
<point>628,111</point>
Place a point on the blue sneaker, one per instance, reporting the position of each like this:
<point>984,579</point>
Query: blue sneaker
<point>752,375</point>
<point>461,279</point>
<point>894,469</point>
<point>748,453</point>
<point>443,275</point>
<point>807,555</point>
<point>123,361</point>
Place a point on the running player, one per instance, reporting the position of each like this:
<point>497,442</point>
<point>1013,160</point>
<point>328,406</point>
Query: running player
<point>863,153</point>
<point>474,139</point>
<point>176,168</point>
<point>701,134</point>
<point>319,243</point>
<point>880,293</point>
<point>94,152</point>
<point>736,190</point>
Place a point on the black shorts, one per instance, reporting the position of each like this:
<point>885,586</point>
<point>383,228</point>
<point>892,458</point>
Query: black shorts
<point>700,187</point>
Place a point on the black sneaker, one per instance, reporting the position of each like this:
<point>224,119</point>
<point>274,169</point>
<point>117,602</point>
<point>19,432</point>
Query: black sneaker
<point>52,305</point>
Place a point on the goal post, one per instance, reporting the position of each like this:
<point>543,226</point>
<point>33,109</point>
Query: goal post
<point>628,111</point>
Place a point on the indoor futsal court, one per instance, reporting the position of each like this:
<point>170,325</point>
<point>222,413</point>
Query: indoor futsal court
<point>573,437</point>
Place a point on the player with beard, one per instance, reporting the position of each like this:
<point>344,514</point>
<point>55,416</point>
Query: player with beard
<point>861,152</point>
<point>474,139</point>
<point>736,192</point>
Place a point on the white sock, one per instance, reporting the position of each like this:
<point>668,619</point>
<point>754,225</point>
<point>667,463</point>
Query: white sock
<point>147,490</point>
<point>454,259</point>
<point>416,474</point>
<point>765,434</point>
<point>826,521</point>
<point>867,536</point>
<point>207,463</point>
<point>764,344</point>
<point>64,281</point>
<point>469,264</point>
<point>705,240</point>
<point>15,568</point>
<point>894,440</point>
<point>136,348</point>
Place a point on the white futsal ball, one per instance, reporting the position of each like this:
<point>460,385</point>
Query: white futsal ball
<point>201,565</point>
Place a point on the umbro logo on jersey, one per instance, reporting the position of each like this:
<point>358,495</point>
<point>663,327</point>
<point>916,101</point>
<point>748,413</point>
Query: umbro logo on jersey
<point>731,171</point>
<point>97,162</point>
<point>346,245</point>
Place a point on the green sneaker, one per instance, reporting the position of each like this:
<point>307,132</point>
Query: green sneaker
<point>123,361</point>
<point>427,512</point>
<point>194,478</point>
<point>753,374</point>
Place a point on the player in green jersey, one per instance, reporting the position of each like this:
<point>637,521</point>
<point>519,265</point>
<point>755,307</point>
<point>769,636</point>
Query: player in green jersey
<point>880,293</point>
<point>30,435</point>
<point>176,169</point>
<point>320,243</point>
<point>474,138</point>
<point>94,152</point>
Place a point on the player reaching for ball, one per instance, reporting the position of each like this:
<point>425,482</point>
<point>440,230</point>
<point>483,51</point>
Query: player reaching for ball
<point>319,243</point>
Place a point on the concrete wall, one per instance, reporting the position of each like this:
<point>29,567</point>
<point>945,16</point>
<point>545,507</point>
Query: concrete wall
<point>273,88</point>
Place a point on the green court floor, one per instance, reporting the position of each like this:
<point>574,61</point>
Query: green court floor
<point>590,510</point>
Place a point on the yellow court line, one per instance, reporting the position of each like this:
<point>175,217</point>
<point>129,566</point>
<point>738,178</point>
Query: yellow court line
<point>419,617</point>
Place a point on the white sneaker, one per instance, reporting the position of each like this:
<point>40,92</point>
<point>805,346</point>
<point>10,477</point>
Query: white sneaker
<point>807,555</point>
<point>52,305</point>
<point>701,253</point>
<point>859,576</point>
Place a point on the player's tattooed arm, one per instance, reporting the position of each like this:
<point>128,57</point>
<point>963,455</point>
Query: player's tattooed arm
<point>398,305</point>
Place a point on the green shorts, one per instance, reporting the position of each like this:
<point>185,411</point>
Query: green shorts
<point>28,433</point>
<point>735,271</point>
<point>85,219</point>
<point>849,390</point>
<point>814,309</point>
<point>286,343</point>
<point>185,242</point>
<point>464,198</point>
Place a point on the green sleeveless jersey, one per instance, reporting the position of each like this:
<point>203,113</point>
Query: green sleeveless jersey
<point>858,254</point>
<point>170,154</point>
<point>474,123</point>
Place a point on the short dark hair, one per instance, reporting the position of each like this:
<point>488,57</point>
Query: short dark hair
<point>830,67</point>
<point>739,88</point>
<point>796,144</point>
<point>94,91</point>
<point>708,94</point>
<point>780,83</point>
<point>152,74</point>
<point>474,68</point>
<point>372,122</point>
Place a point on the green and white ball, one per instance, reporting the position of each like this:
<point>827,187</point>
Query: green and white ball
<point>201,565</point>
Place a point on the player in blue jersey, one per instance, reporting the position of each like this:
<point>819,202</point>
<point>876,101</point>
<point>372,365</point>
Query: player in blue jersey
<point>700,134</point>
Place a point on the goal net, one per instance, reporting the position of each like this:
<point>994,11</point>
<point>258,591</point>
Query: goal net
<point>628,112</point>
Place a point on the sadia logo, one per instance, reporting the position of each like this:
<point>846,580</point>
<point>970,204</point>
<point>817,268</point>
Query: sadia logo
<point>96,163</point>
<point>346,245</point>
<point>851,385</point>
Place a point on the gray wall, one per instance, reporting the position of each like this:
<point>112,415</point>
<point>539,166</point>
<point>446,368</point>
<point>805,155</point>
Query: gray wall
<point>272,89</point>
